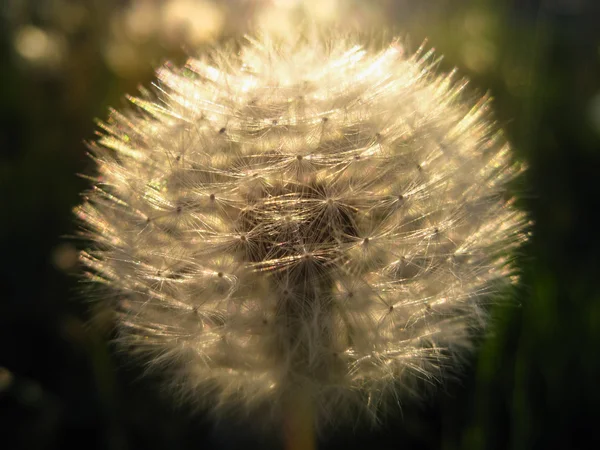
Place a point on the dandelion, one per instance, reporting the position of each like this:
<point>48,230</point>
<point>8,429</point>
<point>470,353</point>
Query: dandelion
<point>315,220</point>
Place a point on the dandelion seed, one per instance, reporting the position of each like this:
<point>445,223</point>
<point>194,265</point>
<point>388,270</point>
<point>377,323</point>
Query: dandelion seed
<point>336,238</point>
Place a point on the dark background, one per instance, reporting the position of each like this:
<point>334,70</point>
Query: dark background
<point>533,384</point>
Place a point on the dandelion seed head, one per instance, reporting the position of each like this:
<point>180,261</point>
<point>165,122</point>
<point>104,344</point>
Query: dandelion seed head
<point>317,217</point>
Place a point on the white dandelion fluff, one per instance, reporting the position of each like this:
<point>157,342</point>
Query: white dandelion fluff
<point>317,218</point>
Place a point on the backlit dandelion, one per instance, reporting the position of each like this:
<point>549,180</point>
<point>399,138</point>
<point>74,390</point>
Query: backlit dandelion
<point>318,219</point>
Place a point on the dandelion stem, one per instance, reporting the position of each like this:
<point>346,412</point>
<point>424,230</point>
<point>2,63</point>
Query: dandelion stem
<point>299,430</point>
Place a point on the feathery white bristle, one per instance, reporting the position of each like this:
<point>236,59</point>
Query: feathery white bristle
<point>316,217</point>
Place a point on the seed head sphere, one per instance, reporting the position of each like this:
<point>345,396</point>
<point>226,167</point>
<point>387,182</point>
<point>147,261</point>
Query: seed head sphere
<point>315,217</point>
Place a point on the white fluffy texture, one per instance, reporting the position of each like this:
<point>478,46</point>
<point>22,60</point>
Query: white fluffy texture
<point>314,218</point>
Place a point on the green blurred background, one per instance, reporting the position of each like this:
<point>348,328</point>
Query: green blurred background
<point>533,383</point>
